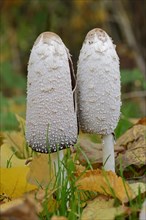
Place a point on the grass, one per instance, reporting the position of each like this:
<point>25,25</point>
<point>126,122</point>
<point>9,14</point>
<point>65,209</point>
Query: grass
<point>63,198</point>
<point>69,201</point>
<point>9,163</point>
<point>64,191</point>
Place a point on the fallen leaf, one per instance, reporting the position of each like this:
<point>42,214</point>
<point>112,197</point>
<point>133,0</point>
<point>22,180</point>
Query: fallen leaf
<point>131,137</point>
<point>4,198</point>
<point>135,156</point>
<point>102,208</point>
<point>18,209</point>
<point>16,140</point>
<point>106,183</point>
<point>58,218</point>
<point>138,188</point>
<point>80,168</point>
<point>134,153</point>
<point>8,158</point>
<point>40,172</point>
<point>13,181</point>
<point>43,198</point>
<point>21,122</point>
<point>92,151</point>
<point>142,121</point>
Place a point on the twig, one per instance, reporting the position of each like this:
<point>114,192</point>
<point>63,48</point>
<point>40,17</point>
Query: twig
<point>131,95</point>
<point>124,23</point>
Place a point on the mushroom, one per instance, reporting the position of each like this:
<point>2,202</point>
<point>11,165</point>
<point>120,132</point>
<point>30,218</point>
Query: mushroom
<point>98,90</point>
<point>51,123</point>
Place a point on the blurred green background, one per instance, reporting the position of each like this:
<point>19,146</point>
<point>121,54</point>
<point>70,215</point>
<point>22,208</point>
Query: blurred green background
<point>23,20</point>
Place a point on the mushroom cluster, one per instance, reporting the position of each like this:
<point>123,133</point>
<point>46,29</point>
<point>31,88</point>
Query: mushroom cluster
<point>51,120</point>
<point>51,123</point>
<point>98,90</point>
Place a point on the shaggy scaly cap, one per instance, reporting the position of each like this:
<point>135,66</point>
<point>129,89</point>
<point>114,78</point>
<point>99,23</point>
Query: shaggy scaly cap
<point>98,84</point>
<point>50,118</point>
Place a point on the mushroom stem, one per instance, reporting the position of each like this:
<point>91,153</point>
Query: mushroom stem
<point>57,158</point>
<point>108,152</point>
<point>58,166</point>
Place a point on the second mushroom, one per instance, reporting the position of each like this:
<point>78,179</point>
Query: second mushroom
<point>98,89</point>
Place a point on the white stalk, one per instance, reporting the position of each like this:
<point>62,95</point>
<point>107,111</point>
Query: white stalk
<point>57,158</point>
<point>108,152</point>
<point>57,162</point>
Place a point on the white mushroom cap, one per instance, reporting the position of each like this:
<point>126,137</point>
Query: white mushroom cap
<point>50,117</point>
<point>98,84</point>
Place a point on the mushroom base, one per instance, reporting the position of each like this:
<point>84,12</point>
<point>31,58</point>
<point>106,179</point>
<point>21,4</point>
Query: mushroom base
<point>108,152</point>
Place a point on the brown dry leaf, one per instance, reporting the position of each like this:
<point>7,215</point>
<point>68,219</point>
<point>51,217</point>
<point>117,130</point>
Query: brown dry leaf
<point>18,209</point>
<point>80,168</point>
<point>142,121</point>
<point>102,208</point>
<point>106,183</point>
<point>42,196</point>
<point>40,172</point>
<point>131,137</point>
<point>136,156</point>
<point>58,218</point>
<point>133,142</point>
<point>93,151</point>
<point>36,199</point>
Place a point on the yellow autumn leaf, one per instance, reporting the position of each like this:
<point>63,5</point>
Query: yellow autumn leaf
<point>106,183</point>
<point>102,208</point>
<point>8,158</point>
<point>21,122</point>
<point>16,140</point>
<point>13,181</point>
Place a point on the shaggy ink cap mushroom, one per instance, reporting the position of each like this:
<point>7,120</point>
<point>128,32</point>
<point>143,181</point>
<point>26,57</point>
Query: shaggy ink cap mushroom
<point>51,122</point>
<point>98,86</point>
